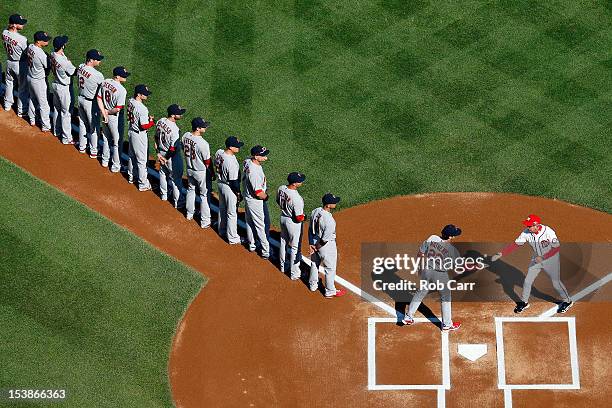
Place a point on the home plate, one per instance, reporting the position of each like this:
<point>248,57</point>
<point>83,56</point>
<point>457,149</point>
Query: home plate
<point>472,351</point>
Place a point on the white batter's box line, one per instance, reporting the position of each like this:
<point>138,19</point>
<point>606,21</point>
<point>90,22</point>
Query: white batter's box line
<point>584,292</point>
<point>501,363</point>
<point>440,388</point>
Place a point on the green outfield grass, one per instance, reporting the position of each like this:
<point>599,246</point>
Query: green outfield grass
<point>376,98</point>
<point>85,305</point>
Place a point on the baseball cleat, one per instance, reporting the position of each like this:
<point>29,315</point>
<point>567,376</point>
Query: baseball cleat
<point>115,170</point>
<point>565,306</point>
<point>521,306</point>
<point>82,151</point>
<point>93,156</point>
<point>204,226</point>
<point>145,188</point>
<point>453,327</point>
<point>68,143</point>
<point>189,217</point>
<point>407,320</point>
<point>164,197</point>
<point>339,292</point>
<point>104,164</point>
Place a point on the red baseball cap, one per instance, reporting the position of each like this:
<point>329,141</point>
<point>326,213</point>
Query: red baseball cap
<point>531,220</point>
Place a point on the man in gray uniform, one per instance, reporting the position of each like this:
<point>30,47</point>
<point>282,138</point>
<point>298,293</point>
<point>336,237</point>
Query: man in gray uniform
<point>228,173</point>
<point>63,70</point>
<point>90,80</point>
<point>197,157</point>
<point>437,251</point>
<point>38,67</point>
<point>323,251</point>
<point>15,45</point>
<point>255,198</point>
<point>111,100</point>
<point>139,122</point>
<point>291,204</point>
<point>168,145</point>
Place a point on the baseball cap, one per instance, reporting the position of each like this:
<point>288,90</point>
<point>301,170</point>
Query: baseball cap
<point>329,198</point>
<point>94,55</point>
<point>259,151</point>
<point>41,36</point>
<point>531,220</point>
<point>175,109</point>
<point>121,71</point>
<point>142,90</point>
<point>60,41</point>
<point>17,19</point>
<point>199,123</point>
<point>233,141</point>
<point>296,177</point>
<point>451,231</point>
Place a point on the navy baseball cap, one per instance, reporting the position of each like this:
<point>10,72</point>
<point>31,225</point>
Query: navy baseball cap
<point>60,41</point>
<point>233,141</point>
<point>142,90</point>
<point>17,19</point>
<point>329,198</point>
<point>175,109</point>
<point>259,151</point>
<point>199,123</point>
<point>451,231</point>
<point>41,36</point>
<point>296,177</point>
<point>121,71</point>
<point>94,55</point>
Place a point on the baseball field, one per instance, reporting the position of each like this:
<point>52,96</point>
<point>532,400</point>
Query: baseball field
<point>416,113</point>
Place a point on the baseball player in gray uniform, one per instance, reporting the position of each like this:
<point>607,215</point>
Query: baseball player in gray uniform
<point>90,80</point>
<point>197,157</point>
<point>291,205</point>
<point>15,45</point>
<point>435,250</point>
<point>139,122</point>
<point>62,70</point>
<point>168,146</point>
<point>38,67</point>
<point>228,173</point>
<point>111,100</point>
<point>255,197</point>
<point>546,246</point>
<point>323,250</point>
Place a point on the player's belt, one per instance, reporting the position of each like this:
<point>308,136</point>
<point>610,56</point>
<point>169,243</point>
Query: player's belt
<point>87,99</point>
<point>59,83</point>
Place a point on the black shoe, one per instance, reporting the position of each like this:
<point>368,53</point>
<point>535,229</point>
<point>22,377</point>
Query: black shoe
<point>520,306</point>
<point>564,306</point>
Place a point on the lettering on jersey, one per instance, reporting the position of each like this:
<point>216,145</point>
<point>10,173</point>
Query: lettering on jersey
<point>84,73</point>
<point>284,199</point>
<point>219,163</point>
<point>189,148</point>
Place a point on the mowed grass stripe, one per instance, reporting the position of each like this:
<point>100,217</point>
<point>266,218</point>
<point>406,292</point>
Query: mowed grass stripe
<point>87,306</point>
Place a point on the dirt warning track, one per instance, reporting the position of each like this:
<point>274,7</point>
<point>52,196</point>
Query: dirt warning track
<point>254,338</point>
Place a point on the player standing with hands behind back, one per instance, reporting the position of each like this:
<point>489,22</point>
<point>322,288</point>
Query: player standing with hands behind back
<point>546,246</point>
<point>255,199</point>
<point>15,45</point>
<point>111,100</point>
<point>38,67</point>
<point>323,250</point>
<point>90,80</point>
<point>197,157</point>
<point>228,173</point>
<point>291,204</point>
<point>139,122</point>
<point>63,70</point>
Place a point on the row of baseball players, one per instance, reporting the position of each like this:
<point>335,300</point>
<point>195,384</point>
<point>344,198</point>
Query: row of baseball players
<point>27,69</point>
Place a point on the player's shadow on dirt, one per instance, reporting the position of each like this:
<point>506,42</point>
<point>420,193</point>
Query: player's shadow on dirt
<point>508,277</point>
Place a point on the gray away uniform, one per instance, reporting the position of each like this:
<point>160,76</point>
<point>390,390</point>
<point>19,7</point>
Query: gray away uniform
<point>228,173</point>
<point>112,94</point>
<point>197,154</point>
<point>436,248</point>
<point>138,117</point>
<point>323,227</point>
<point>89,114</point>
<point>292,215</point>
<point>62,70</point>
<point>169,146</point>
<point>254,181</point>
<point>38,63</point>
<point>15,45</point>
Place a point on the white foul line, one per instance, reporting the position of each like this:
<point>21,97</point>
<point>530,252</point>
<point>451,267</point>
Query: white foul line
<point>584,292</point>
